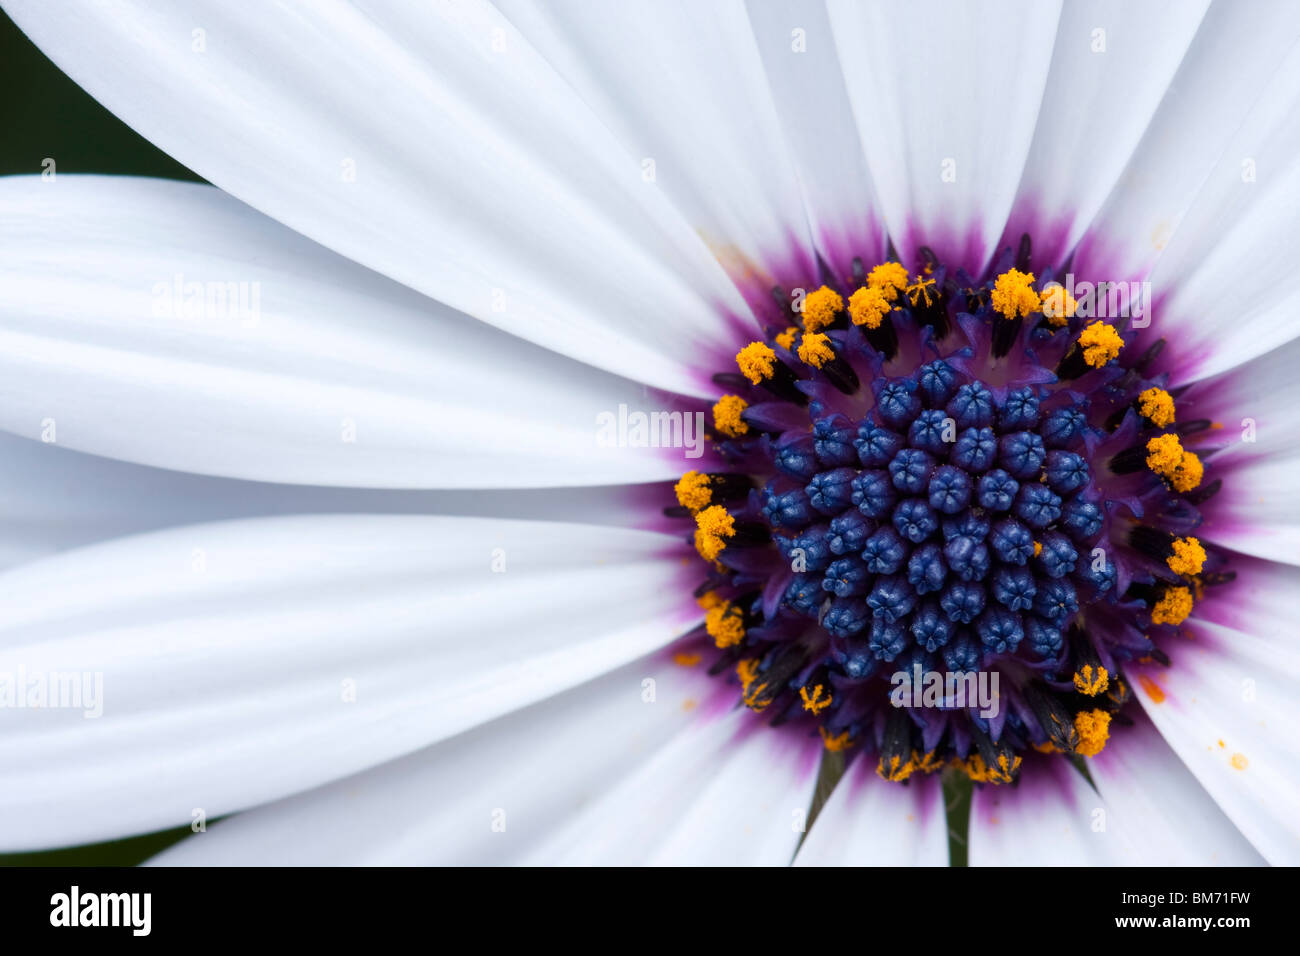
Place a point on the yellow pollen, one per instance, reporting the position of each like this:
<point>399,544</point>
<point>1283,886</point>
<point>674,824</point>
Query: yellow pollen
<point>693,491</point>
<point>1058,305</point>
<point>1157,407</point>
<point>834,742</point>
<point>889,277</point>
<point>747,671</point>
<point>922,288</point>
<point>725,624</point>
<point>868,307</point>
<point>1038,548</point>
<point>1091,680</point>
<point>1188,557</point>
<point>1189,472</point>
<point>981,772</point>
<point>710,599</point>
<point>683,659</point>
<point>726,416</point>
<point>928,762</point>
<point>786,338</point>
<point>713,526</point>
<point>1014,295</point>
<point>820,308</point>
<point>897,771</point>
<point>1164,454</point>
<point>1173,607</point>
<point>1100,343</point>
<point>757,362</point>
<point>815,702</point>
<point>815,349</point>
<point>1047,747</point>
<point>1093,727</point>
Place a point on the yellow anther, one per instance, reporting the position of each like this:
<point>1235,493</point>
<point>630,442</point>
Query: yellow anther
<point>747,671</point>
<point>1173,607</point>
<point>1164,454</point>
<point>1014,295</point>
<point>1093,727</point>
<point>890,278</point>
<point>1188,557</point>
<point>1189,473</point>
<point>713,526</point>
<point>815,702</point>
<point>1166,457</point>
<point>928,762</point>
<point>980,772</point>
<point>1038,548</point>
<point>786,338</point>
<point>1157,407</point>
<point>820,308</point>
<point>726,416</point>
<point>1058,305</point>
<point>897,770</point>
<point>868,306</point>
<point>922,288</point>
<point>1100,343</point>
<point>725,624</point>
<point>1091,680</point>
<point>710,599</point>
<point>815,349</point>
<point>693,492</point>
<point>756,361</point>
<point>834,742</point>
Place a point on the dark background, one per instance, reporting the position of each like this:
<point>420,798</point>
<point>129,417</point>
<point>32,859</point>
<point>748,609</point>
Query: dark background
<point>44,114</point>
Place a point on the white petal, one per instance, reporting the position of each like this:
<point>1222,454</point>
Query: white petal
<point>870,822</point>
<point>728,792</point>
<point>53,499</point>
<point>430,142</point>
<point>1155,801</point>
<point>228,652</point>
<point>1258,511</point>
<point>1228,283</point>
<point>1227,68</point>
<point>486,797</point>
<point>324,373</point>
<point>681,83</point>
<point>1112,60</point>
<point>1050,818</point>
<point>946,96</point>
<point>1227,705</point>
<point>807,84</point>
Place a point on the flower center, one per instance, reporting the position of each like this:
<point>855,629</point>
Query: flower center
<point>953,511</point>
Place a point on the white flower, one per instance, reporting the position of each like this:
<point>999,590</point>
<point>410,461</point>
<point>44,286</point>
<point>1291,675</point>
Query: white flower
<point>223,507</point>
